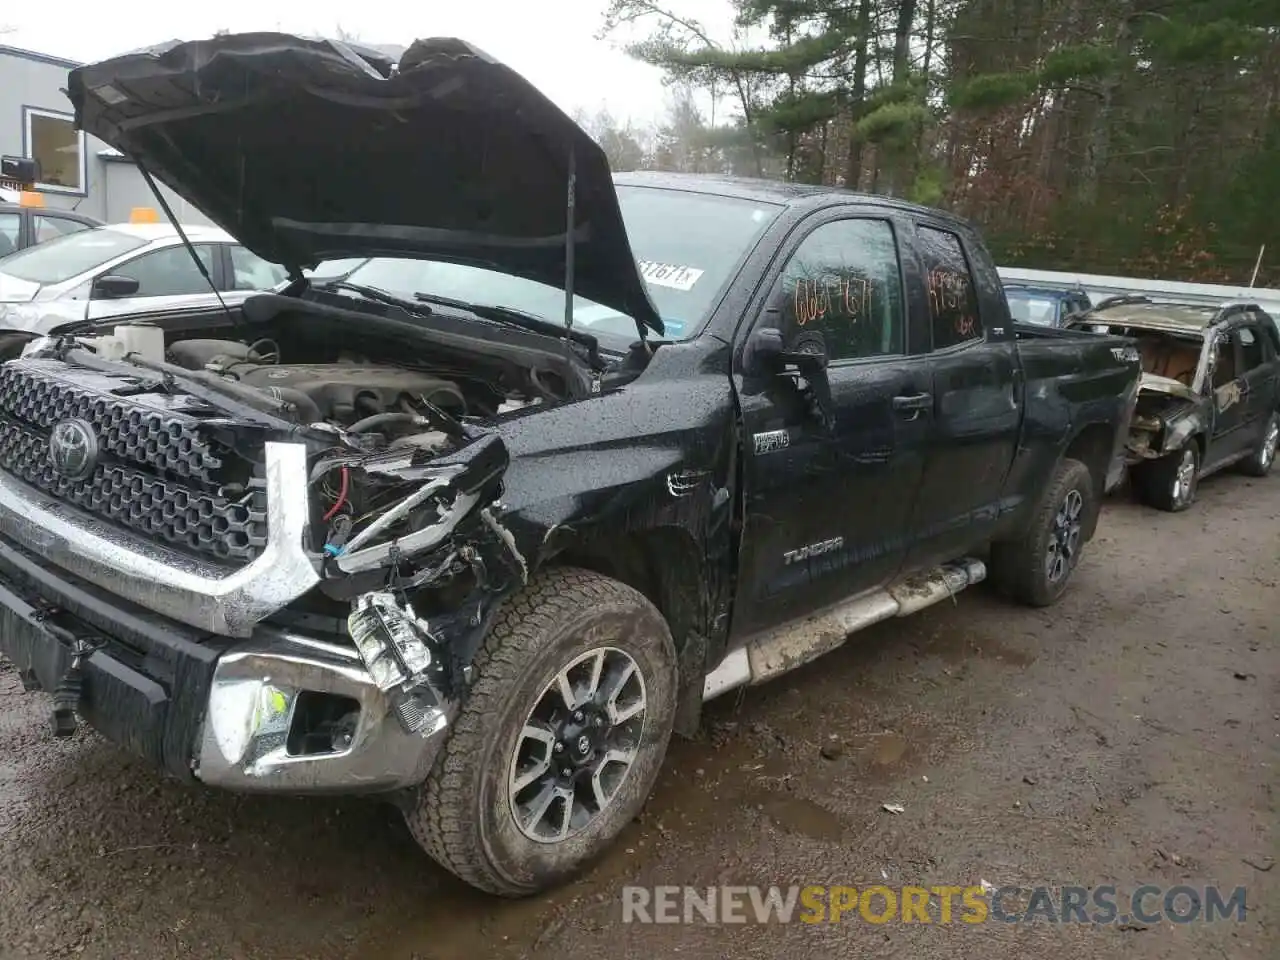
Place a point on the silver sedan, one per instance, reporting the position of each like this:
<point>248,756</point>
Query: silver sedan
<point>126,269</point>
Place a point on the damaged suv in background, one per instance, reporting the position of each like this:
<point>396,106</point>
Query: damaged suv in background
<point>431,527</point>
<point>1209,396</point>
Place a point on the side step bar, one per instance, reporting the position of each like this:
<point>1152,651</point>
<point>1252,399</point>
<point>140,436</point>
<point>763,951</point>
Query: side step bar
<point>792,645</point>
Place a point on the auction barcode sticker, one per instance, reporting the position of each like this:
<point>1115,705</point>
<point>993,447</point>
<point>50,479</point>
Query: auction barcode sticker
<point>669,275</point>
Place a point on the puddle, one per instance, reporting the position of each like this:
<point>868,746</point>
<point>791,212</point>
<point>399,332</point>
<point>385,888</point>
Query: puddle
<point>805,817</point>
<point>889,748</point>
<point>957,646</point>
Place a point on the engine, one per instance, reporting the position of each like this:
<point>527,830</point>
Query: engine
<point>351,394</point>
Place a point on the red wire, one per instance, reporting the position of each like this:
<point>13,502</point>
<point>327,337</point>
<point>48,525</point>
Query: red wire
<point>342,495</point>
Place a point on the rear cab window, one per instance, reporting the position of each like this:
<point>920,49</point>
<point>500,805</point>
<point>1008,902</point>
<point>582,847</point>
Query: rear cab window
<point>1036,309</point>
<point>952,293</point>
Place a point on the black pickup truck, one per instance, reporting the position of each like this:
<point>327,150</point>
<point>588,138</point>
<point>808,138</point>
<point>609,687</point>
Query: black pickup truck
<point>439,532</point>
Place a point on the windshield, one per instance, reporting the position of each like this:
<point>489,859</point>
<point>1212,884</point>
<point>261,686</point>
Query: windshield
<point>65,257</point>
<point>688,246</point>
<point>1028,308</point>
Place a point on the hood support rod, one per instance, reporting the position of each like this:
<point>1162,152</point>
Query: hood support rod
<point>182,235</point>
<point>570,247</point>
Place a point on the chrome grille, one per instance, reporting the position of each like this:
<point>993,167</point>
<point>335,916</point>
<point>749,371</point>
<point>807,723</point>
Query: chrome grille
<point>157,472</point>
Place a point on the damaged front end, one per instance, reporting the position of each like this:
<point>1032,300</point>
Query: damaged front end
<point>1167,415</point>
<point>318,497</point>
<point>412,561</point>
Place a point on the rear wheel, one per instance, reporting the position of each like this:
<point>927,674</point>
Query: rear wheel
<point>1170,483</point>
<point>560,740</point>
<point>1259,462</point>
<point>1036,567</point>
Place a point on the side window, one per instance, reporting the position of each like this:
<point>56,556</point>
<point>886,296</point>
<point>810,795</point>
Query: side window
<point>10,224</point>
<point>843,288</point>
<point>953,299</point>
<point>168,272</point>
<point>1250,349</point>
<point>48,227</point>
<point>1224,361</point>
<point>250,272</point>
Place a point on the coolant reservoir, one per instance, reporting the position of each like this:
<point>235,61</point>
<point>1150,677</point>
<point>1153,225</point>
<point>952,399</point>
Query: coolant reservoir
<point>140,338</point>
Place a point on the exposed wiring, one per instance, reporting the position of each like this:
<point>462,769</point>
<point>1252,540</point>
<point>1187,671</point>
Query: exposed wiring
<point>342,495</point>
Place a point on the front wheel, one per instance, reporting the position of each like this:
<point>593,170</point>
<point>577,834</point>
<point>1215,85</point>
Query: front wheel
<point>560,739</point>
<point>1036,566</point>
<point>1169,483</point>
<point>1259,462</point>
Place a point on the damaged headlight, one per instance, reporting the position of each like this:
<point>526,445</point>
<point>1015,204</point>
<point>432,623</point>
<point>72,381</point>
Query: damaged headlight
<point>403,658</point>
<point>450,488</point>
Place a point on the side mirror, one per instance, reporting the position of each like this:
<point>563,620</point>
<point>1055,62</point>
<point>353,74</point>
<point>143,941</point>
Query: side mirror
<point>113,286</point>
<point>767,353</point>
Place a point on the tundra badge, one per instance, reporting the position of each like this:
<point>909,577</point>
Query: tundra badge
<point>813,550</point>
<point>771,441</point>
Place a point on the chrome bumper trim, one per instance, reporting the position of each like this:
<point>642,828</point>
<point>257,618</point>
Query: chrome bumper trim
<point>252,700</point>
<point>155,576</point>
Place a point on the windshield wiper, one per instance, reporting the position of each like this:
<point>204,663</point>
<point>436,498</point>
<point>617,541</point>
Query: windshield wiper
<point>379,295</point>
<point>511,316</point>
<point>499,314</point>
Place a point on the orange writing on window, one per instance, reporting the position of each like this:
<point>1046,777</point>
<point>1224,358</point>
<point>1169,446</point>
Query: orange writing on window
<point>948,290</point>
<point>825,296</point>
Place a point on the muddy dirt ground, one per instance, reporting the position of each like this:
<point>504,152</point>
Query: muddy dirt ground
<point>1129,735</point>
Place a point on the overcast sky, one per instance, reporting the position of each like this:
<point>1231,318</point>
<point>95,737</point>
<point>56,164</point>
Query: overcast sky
<point>551,42</point>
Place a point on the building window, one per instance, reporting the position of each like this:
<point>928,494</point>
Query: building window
<point>52,140</point>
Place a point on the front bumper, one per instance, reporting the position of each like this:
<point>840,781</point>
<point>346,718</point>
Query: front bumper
<point>235,714</point>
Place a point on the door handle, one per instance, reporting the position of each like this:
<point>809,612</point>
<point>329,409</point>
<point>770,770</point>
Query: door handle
<point>914,402</point>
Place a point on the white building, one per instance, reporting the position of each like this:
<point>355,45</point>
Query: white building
<point>77,172</point>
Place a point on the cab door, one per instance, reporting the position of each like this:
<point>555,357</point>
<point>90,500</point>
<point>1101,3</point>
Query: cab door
<point>1257,378</point>
<point>977,413</point>
<point>1229,434</point>
<point>827,504</point>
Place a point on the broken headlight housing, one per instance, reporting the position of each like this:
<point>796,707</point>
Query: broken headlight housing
<point>404,659</point>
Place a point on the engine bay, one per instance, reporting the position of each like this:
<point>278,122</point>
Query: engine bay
<point>350,393</point>
<point>375,397</point>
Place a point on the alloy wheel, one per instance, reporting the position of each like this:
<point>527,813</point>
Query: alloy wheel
<point>1064,537</point>
<point>577,745</point>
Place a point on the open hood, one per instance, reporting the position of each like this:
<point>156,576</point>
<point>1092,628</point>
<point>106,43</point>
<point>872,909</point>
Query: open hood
<point>307,150</point>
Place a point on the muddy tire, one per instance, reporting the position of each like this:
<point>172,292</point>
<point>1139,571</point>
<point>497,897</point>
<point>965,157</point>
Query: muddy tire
<point>1170,483</point>
<point>528,788</point>
<point>1260,461</point>
<point>1035,567</point>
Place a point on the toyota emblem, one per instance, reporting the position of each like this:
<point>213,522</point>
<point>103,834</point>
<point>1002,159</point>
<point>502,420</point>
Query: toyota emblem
<point>584,743</point>
<point>73,449</point>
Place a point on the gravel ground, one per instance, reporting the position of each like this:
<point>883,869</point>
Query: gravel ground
<point>1129,735</point>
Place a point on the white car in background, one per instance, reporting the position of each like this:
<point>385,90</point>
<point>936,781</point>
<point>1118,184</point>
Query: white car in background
<point>126,269</point>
